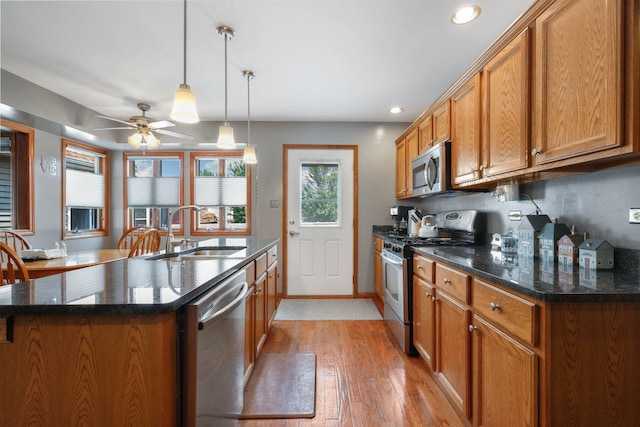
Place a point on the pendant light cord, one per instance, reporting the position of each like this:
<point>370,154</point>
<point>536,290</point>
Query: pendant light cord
<point>184,46</point>
<point>248,110</point>
<point>226,36</point>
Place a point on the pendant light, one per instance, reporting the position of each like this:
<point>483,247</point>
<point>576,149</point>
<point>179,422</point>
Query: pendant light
<point>143,138</point>
<point>184,104</point>
<point>225,137</point>
<point>249,156</point>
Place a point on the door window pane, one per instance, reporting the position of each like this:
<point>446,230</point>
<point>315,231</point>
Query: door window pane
<point>319,194</point>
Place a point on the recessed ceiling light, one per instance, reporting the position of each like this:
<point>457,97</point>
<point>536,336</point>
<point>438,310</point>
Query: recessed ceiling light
<point>396,110</point>
<point>466,14</point>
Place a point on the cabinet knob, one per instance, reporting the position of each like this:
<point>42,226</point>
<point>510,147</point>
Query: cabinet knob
<point>535,152</point>
<point>420,267</point>
<point>428,294</point>
<point>472,328</point>
<point>483,167</point>
<point>493,306</point>
<point>447,281</point>
<point>434,299</point>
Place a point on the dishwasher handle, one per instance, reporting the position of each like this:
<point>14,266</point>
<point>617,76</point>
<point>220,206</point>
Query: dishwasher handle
<point>224,310</point>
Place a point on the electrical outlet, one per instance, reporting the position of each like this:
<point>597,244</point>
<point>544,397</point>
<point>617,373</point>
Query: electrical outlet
<point>634,216</point>
<point>274,203</point>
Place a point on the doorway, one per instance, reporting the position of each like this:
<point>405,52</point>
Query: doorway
<point>320,206</point>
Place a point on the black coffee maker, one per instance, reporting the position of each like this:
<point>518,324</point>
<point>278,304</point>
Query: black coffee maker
<point>400,216</point>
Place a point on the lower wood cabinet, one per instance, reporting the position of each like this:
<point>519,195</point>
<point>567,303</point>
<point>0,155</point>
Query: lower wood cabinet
<point>506,359</point>
<point>504,377</point>
<point>377,273</point>
<point>271,297</point>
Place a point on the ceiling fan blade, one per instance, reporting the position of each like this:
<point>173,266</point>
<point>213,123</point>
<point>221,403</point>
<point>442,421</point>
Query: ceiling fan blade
<point>116,120</point>
<point>175,134</point>
<point>130,127</point>
<point>161,124</point>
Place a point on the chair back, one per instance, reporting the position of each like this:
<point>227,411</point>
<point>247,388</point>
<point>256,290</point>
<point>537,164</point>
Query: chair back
<point>15,241</point>
<point>13,268</point>
<point>130,236</point>
<point>147,242</point>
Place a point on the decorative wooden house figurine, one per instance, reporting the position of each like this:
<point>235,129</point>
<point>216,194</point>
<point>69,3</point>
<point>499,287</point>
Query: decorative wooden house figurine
<point>528,235</point>
<point>596,254</point>
<point>548,241</point>
<point>568,249</point>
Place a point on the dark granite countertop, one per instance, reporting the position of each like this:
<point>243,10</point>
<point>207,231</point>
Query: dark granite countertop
<point>536,279</point>
<point>134,285</point>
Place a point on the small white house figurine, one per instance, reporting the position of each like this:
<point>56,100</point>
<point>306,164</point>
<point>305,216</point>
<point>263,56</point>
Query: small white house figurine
<point>596,254</point>
<point>548,241</point>
<point>528,235</point>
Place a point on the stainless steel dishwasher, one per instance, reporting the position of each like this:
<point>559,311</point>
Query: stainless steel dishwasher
<point>212,365</point>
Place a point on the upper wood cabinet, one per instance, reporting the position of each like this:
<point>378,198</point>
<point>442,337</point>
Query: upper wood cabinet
<point>465,132</point>
<point>406,150</point>
<point>578,80</point>
<point>505,124</point>
<point>442,123</point>
<point>425,136</point>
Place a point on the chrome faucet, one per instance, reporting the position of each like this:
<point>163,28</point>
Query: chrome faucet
<point>170,243</point>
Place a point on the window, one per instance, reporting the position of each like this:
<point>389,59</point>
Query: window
<point>85,195</point>
<point>220,182</point>
<point>16,177</point>
<point>153,187</point>
<point>319,194</point>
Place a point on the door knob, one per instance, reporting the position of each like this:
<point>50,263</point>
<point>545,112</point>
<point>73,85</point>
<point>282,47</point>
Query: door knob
<point>293,233</point>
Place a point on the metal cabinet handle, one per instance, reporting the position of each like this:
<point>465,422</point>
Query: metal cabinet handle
<point>447,281</point>
<point>428,294</point>
<point>472,328</point>
<point>493,306</point>
<point>535,152</point>
<point>434,299</point>
<point>420,267</point>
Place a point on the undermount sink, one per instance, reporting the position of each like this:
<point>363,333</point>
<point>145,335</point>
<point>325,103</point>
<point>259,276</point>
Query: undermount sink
<point>203,253</point>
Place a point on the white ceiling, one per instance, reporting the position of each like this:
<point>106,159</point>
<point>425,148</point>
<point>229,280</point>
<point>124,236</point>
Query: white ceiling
<point>315,60</point>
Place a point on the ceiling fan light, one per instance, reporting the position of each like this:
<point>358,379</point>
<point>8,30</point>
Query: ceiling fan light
<point>151,141</point>
<point>184,106</point>
<point>249,156</point>
<point>225,137</point>
<point>135,140</point>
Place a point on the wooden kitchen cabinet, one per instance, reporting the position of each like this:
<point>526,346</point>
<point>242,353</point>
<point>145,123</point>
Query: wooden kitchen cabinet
<point>442,123</point>
<point>425,134</point>
<point>505,379</point>
<point>578,81</point>
<point>424,321</point>
<point>465,131</point>
<point>406,149</point>
<point>260,310</point>
<point>505,89</point>
<point>271,297</point>
<point>249,322</point>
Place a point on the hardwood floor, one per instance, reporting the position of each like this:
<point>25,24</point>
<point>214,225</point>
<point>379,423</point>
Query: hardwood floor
<point>363,378</point>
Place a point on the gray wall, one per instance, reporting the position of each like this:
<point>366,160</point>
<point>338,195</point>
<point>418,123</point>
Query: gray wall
<point>595,202</point>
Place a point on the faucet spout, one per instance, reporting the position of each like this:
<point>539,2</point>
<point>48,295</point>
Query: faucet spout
<point>170,243</point>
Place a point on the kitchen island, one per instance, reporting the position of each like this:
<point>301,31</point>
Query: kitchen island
<point>99,345</point>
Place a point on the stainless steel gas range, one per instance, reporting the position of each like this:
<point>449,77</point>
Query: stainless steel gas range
<point>455,228</point>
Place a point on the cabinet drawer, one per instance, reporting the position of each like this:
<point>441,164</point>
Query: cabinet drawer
<point>506,310</point>
<point>423,268</point>
<point>377,243</point>
<point>272,255</point>
<point>454,282</point>
<point>261,265</point>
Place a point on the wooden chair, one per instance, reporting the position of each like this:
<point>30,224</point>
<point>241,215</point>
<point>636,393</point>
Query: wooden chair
<point>147,242</point>
<point>14,240</point>
<point>13,269</point>
<point>130,236</point>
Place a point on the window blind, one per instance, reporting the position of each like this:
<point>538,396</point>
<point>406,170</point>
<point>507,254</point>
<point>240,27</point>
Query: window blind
<point>84,189</point>
<point>220,191</point>
<point>153,192</point>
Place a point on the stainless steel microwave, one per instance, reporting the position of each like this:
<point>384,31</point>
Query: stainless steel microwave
<point>431,170</point>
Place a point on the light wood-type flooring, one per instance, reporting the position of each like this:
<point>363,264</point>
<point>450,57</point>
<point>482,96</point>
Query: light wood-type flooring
<point>363,378</point>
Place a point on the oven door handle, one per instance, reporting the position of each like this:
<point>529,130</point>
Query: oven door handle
<point>224,310</point>
<point>390,260</point>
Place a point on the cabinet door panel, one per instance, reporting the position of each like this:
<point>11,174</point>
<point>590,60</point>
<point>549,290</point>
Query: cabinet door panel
<point>578,78</point>
<point>465,124</point>
<point>426,134</point>
<point>442,123</point>
<point>424,322</point>
<point>453,350</point>
<point>401,169</point>
<point>505,379</point>
<point>505,83</point>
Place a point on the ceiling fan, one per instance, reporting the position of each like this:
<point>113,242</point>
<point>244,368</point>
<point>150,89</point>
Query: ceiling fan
<point>144,126</point>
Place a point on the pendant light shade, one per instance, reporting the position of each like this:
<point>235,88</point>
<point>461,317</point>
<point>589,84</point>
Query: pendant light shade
<point>225,137</point>
<point>249,156</point>
<point>144,139</point>
<point>184,103</point>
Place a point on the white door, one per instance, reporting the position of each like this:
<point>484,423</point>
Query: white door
<point>320,222</point>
